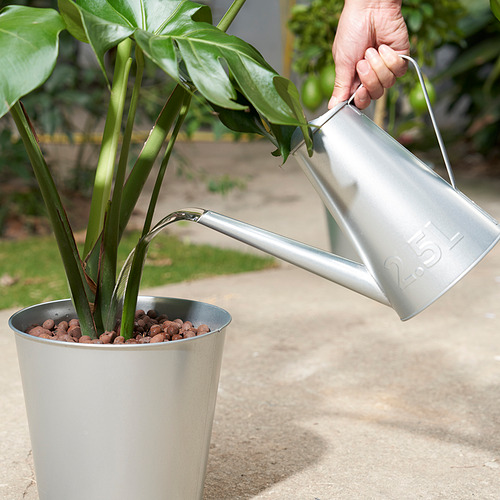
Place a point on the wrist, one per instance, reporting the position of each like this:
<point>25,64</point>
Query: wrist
<point>373,4</point>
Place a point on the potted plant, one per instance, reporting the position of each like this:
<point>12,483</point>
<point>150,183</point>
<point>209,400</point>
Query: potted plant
<point>131,420</point>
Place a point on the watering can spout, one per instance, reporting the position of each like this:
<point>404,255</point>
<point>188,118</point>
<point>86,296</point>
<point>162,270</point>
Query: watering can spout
<point>341,271</point>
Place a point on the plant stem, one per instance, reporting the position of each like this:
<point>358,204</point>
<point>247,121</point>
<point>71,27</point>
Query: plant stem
<point>231,13</point>
<point>149,153</point>
<point>105,165</point>
<point>141,170</point>
<point>133,284</point>
<point>59,221</point>
<point>111,234</point>
<point>163,167</point>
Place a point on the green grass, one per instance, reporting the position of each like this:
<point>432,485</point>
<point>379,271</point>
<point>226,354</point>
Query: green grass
<point>33,268</point>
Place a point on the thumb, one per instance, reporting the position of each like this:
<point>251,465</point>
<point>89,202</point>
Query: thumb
<point>344,80</point>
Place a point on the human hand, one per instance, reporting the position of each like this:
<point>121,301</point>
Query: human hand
<point>370,36</point>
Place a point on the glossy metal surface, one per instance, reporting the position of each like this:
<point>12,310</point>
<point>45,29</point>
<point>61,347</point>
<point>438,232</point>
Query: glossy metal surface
<point>121,422</point>
<point>345,272</point>
<point>416,234</point>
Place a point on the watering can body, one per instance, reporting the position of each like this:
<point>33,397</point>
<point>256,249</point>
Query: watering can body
<point>416,234</point>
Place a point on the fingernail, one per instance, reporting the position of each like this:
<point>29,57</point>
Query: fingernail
<point>384,49</point>
<point>332,102</point>
<point>363,67</point>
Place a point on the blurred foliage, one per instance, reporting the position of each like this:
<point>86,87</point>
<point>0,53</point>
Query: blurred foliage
<point>23,199</point>
<point>475,75</point>
<point>313,26</point>
<point>431,25</point>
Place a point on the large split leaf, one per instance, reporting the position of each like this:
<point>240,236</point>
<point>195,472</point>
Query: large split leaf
<point>29,39</point>
<point>175,33</point>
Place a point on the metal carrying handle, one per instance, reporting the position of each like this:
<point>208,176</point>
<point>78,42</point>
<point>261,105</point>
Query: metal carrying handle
<point>431,113</point>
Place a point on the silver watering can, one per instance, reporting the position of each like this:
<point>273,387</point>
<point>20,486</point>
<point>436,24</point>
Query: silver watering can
<point>416,234</point>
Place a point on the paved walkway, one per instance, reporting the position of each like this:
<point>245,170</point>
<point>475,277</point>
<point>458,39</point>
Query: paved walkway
<point>325,394</point>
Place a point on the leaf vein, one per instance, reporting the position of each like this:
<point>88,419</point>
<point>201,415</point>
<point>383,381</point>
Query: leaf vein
<point>11,33</point>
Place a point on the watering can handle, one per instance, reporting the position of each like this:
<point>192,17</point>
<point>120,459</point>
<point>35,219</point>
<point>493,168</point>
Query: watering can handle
<point>431,113</point>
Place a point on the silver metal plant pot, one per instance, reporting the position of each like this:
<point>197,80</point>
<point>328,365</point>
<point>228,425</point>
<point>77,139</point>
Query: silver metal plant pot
<point>123,421</point>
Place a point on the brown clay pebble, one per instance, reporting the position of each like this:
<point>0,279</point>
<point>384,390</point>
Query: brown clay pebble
<point>39,330</point>
<point>105,338</point>
<point>160,337</point>
<point>65,338</point>
<point>189,333</point>
<point>75,331</point>
<point>119,340</point>
<point>187,325</point>
<point>49,324</point>
<point>85,339</point>
<point>63,325</point>
<point>176,337</point>
<point>154,330</point>
<point>203,329</point>
<point>173,329</point>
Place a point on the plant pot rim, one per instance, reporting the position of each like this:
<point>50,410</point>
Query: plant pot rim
<point>16,318</point>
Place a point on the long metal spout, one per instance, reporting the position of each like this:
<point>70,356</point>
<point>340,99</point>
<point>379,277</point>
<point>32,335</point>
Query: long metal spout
<point>339,270</point>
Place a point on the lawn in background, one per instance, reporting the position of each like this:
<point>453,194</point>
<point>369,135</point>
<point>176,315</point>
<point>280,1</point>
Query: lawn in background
<point>31,270</point>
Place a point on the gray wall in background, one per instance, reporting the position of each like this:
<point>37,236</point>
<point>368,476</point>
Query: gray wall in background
<point>258,23</point>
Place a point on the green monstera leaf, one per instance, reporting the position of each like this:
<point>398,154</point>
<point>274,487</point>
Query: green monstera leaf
<point>29,39</point>
<point>178,34</point>
<point>495,8</point>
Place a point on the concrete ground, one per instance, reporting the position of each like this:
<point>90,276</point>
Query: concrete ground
<point>324,394</point>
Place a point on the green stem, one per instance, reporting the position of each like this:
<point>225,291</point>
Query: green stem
<point>105,165</point>
<point>111,234</point>
<point>60,224</point>
<point>231,13</point>
<point>149,153</point>
<point>141,170</point>
<point>163,167</point>
<point>133,284</point>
